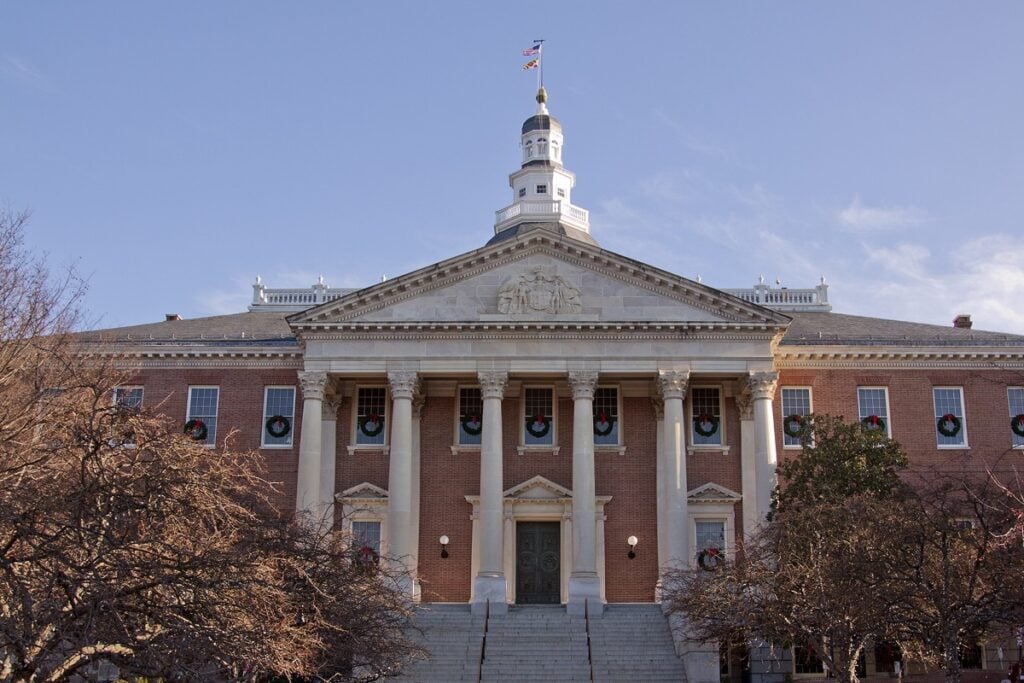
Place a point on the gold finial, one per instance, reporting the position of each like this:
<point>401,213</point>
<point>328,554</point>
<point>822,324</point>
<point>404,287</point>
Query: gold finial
<point>542,95</point>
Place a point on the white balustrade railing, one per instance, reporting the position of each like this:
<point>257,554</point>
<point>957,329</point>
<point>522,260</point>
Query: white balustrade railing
<point>293,298</point>
<point>542,208</point>
<point>783,298</point>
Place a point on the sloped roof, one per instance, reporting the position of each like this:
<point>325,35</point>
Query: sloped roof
<point>268,327</point>
<point>819,329</point>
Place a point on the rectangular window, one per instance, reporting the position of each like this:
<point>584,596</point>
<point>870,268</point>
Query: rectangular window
<point>561,192</point>
<point>471,416</point>
<point>806,660</point>
<point>128,398</point>
<point>950,423</point>
<point>710,534</point>
<point>971,657</point>
<point>371,413</point>
<point>522,192</point>
<point>795,401</point>
<point>873,408</point>
<point>542,189</point>
<point>706,409</point>
<point>202,408</point>
<point>538,405</point>
<point>1016,396</point>
<point>606,416</point>
<point>278,416</point>
<point>366,534</point>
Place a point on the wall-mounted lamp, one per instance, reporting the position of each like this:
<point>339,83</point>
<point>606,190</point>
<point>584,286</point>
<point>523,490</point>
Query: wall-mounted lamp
<point>631,542</point>
<point>444,546</point>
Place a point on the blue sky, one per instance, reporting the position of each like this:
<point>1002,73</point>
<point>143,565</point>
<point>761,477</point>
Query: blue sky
<point>172,152</point>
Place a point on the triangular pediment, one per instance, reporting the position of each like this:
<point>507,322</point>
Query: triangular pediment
<point>538,488</point>
<point>713,493</point>
<point>538,277</point>
<point>363,491</point>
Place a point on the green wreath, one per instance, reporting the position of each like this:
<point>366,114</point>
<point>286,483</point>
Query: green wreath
<point>470,419</point>
<point>710,559</point>
<point>953,420</point>
<point>1017,425</point>
<point>787,425</point>
<point>196,429</point>
<point>278,426</point>
<point>374,419</point>
<point>603,418</point>
<point>699,421</point>
<point>872,422</point>
<point>545,426</point>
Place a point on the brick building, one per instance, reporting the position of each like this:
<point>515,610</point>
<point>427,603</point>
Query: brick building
<point>540,420</point>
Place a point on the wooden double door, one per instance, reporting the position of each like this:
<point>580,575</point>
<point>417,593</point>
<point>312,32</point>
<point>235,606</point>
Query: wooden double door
<point>538,563</point>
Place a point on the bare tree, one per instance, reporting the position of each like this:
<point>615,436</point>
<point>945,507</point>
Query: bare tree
<point>960,579</point>
<point>121,539</point>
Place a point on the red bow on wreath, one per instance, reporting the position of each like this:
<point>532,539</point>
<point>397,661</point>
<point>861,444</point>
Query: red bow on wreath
<point>873,419</point>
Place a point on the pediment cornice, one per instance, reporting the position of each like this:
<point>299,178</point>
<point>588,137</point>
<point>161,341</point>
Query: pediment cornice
<point>348,308</point>
<point>712,493</point>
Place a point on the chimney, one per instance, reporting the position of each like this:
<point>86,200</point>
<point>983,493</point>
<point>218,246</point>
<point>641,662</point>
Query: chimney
<point>168,317</point>
<point>963,321</point>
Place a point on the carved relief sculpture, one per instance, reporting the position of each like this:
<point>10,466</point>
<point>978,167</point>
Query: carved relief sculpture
<point>537,291</point>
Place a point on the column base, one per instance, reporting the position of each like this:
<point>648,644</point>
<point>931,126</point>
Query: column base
<point>585,595</point>
<point>489,588</point>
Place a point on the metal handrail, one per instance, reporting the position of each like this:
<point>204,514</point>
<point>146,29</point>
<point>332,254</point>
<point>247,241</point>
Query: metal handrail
<point>483,643</point>
<point>586,619</point>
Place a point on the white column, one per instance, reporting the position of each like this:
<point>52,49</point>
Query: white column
<point>584,584</point>
<point>748,462</point>
<point>658,408</point>
<point>489,583</point>
<point>403,385</point>
<point>328,456</point>
<point>307,490</point>
<point>673,388</point>
<point>762,389</point>
<point>418,401</point>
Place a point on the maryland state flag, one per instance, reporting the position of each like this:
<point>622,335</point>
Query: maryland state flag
<point>532,64</point>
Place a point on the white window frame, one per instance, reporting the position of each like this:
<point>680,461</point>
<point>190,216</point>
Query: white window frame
<point>553,446</point>
<point>458,445</point>
<point>1016,442</point>
<point>810,408</point>
<point>216,414</point>
<point>713,514</point>
<point>618,417</point>
<point>263,422</point>
<point>888,408</point>
<point>723,443</point>
<point>355,445</point>
<point>541,188</point>
<point>963,421</point>
<point>365,503</point>
<point>128,387</point>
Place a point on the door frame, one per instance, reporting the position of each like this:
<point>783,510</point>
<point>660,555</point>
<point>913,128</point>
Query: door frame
<point>537,500</point>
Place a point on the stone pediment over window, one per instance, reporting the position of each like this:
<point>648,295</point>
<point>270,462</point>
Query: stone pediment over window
<point>537,277</point>
<point>364,491</point>
<point>538,488</point>
<point>713,493</point>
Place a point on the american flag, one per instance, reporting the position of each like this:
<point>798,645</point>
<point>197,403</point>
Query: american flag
<point>532,64</point>
<point>531,51</point>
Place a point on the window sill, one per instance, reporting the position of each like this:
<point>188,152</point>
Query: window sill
<point>618,450</point>
<point>553,450</point>
<point>276,447</point>
<point>383,449</point>
<point>959,447</point>
<point>724,450</point>
<point>465,448</point>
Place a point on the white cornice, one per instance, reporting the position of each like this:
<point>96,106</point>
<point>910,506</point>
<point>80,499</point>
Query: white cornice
<point>895,357</point>
<point>612,265</point>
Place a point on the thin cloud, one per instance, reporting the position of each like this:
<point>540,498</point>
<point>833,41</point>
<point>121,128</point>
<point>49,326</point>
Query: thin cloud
<point>860,218</point>
<point>21,70</point>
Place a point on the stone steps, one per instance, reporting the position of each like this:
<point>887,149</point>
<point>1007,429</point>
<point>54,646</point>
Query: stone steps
<point>630,643</point>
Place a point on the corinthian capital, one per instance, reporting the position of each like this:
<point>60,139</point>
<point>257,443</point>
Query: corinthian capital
<point>330,405</point>
<point>313,384</point>
<point>673,383</point>
<point>762,384</point>
<point>745,404</point>
<point>582,384</point>
<point>492,384</point>
<point>403,384</point>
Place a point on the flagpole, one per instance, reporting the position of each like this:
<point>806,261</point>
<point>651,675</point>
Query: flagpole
<point>540,61</point>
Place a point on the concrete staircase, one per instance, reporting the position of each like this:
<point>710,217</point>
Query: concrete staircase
<point>629,643</point>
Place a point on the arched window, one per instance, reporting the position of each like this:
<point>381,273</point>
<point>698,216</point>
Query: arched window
<point>542,146</point>
<point>529,148</point>
<point>556,150</point>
